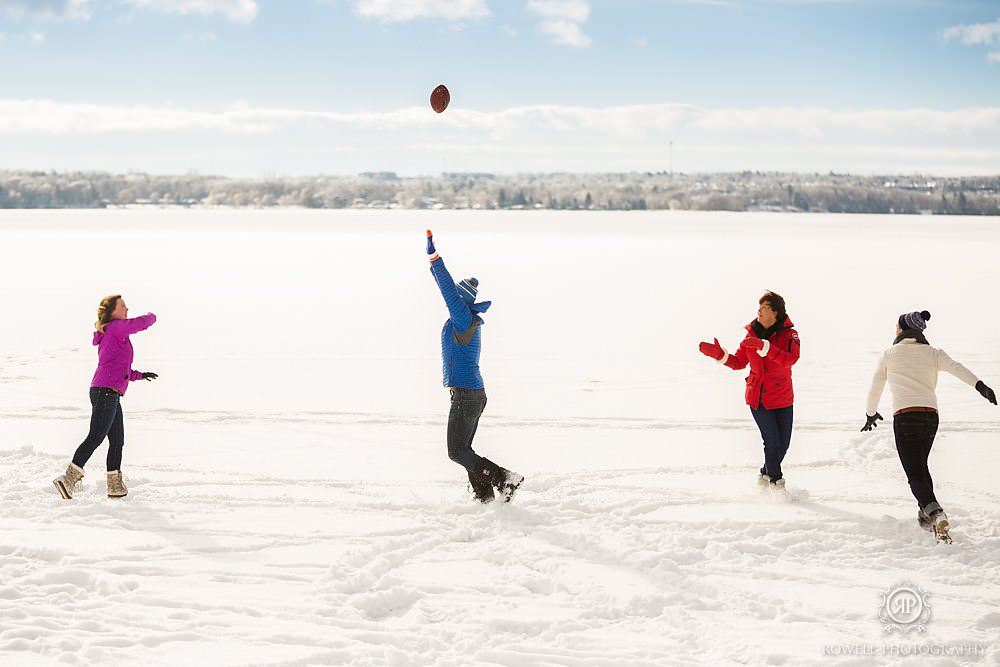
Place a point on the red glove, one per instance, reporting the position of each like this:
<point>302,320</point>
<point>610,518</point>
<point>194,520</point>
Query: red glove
<point>713,350</point>
<point>753,343</point>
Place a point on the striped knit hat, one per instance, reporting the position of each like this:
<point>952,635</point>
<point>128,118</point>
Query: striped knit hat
<point>468,288</point>
<point>915,320</point>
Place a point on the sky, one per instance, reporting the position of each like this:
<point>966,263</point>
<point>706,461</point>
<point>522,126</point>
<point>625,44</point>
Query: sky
<point>257,88</point>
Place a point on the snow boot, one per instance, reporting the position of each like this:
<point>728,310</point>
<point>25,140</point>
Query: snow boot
<point>504,481</point>
<point>481,489</point>
<point>763,478</point>
<point>932,518</point>
<point>924,521</point>
<point>116,487</point>
<point>778,484</point>
<point>939,524</point>
<point>67,483</point>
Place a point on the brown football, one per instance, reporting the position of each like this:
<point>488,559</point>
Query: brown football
<point>440,97</point>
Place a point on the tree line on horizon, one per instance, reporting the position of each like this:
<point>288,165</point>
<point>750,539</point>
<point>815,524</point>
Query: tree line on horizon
<point>741,191</point>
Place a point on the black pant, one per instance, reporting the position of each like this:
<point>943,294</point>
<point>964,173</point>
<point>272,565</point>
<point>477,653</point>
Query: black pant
<point>106,421</point>
<point>915,433</point>
<point>463,420</point>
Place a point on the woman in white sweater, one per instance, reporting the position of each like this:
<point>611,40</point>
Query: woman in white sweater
<point>911,367</point>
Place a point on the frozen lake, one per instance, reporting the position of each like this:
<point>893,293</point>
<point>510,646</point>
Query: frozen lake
<point>291,501</point>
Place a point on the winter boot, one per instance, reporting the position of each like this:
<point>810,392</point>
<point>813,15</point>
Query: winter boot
<point>778,484</point>
<point>925,521</point>
<point>763,479</point>
<point>481,489</point>
<point>66,483</point>
<point>939,524</point>
<point>116,487</point>
<point>504,481</point>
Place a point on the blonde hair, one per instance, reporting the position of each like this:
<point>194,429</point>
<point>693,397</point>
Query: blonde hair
<point>104,311</point>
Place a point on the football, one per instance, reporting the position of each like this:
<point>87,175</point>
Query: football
<point>440,97</point>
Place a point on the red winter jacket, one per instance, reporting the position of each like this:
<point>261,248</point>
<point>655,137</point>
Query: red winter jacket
<point>770,381</point>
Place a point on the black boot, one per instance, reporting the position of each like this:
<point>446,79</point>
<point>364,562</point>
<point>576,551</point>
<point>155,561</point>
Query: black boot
<point>482,490</point>
<point>504,481</point>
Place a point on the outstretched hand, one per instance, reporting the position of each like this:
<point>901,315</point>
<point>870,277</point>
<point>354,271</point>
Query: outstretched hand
<point>986,392</point>
<point>712,349</point>
<point>430,243</point>
<point>149,376</point>
<point>870,421</point>
<point>753,343</point>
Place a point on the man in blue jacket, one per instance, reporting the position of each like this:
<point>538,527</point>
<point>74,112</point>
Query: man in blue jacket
<point>461,342</point>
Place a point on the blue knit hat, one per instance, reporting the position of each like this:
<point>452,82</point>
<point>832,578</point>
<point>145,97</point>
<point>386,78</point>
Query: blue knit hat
<point>468,288</point>
<point>914,320</point>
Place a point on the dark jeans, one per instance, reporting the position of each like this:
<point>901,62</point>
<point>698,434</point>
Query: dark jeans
<point>463,420</point>
<point>106,421</point>
<point>915,433</point>
<point>776,431</point>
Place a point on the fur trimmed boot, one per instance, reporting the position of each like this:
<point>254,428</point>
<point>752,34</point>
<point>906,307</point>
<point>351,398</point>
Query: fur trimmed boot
<point>116,487</point>
<point>67,483</point>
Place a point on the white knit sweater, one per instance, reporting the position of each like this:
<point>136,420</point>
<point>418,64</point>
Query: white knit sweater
<point>912,371</point>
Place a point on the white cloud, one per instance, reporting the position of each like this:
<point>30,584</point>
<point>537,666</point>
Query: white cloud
<point>575,11</point>
<point>994,57</point>
<point>239,11</point>
<point>532,138</point>
<point>565,33</point>
<point>563,20</point>
<point>408,10</point>
<point>36,37</point>
<point>980,33</point>
<point>47,9</point>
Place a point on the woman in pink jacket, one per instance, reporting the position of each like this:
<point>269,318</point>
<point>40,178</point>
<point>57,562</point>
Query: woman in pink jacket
<point>114,372</point>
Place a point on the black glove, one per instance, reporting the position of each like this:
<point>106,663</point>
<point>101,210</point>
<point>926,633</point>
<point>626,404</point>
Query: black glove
<point>870,423</point>
<point>149,376</point>
<point>986,392</point>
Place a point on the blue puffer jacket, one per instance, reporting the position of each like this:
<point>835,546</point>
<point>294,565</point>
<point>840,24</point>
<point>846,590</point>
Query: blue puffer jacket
<point>461,336</point>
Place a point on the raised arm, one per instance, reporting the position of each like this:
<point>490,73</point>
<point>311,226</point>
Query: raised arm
<point>136,324</point>
<point>737,360</point>
<point>946,363</point>
<point>460,314</point>
<point>717,352</point>
<point>949,365</point>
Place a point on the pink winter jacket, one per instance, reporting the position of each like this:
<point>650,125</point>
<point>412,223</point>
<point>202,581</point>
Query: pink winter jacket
<point>114,352</point>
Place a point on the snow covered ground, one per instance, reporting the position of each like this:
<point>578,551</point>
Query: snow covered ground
<point>291,502</point>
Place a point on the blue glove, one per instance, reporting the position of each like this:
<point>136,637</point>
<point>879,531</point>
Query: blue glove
<point>430,246</point>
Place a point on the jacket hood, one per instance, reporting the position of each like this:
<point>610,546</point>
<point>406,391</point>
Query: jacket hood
<point>98,337</point>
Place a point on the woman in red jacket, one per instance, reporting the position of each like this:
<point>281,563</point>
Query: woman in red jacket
<point>771,348</point>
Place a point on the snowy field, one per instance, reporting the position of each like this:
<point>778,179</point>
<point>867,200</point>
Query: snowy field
<point>291,502</point>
